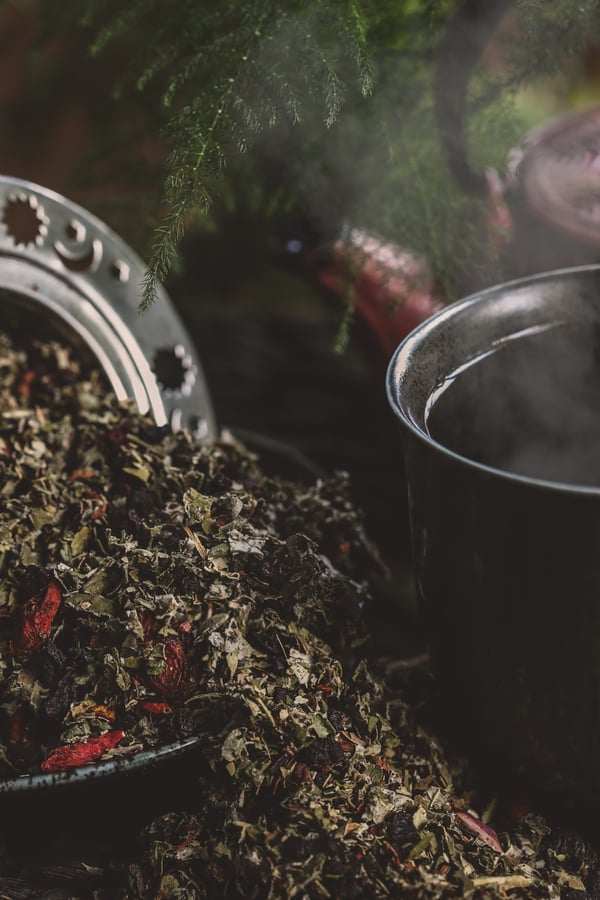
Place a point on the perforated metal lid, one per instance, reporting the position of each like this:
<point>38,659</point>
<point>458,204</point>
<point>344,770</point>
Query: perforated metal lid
<point>61,263</point>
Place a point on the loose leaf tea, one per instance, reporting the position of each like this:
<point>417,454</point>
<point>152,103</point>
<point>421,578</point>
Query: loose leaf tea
<point>143,576</point>
<point>152,589</point>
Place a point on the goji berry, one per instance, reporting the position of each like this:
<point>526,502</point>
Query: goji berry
<point>518,809</point>
<point>35,622</point>
<point>24,386</point>
<point>81,753</point>
<point>176,680</point>
<point>149,625</point>
<point>155,708</point>
<point>82,474</point>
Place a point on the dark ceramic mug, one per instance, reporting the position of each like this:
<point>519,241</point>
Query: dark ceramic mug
<point>507,564</point>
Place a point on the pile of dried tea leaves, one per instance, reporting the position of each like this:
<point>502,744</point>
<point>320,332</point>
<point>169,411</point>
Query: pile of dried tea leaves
<point>145,578</point>
<point>151,590</point>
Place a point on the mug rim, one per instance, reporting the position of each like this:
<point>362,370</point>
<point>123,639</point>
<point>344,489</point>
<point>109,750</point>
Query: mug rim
<point>404,353</point>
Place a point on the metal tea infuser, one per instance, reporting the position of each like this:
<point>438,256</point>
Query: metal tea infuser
<point>61,266</point>
<point>61,263</point>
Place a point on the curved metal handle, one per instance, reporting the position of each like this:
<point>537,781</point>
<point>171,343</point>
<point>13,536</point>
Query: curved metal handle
<point>58,259</point>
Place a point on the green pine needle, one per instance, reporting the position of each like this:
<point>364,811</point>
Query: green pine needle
<point>322,82</point>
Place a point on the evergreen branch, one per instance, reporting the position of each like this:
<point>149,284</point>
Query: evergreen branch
<point>221,74</point>
<point>163,59</point>
<point>279,96</point>
<point>359,46</point>
<point>184,191</point>
<point>332,91</point>
<point>167,237</point>
<point>184,188</point>
<point>566,27</point>
<point>117,25</point>
<point>224,73</point>
<point>344,327</point>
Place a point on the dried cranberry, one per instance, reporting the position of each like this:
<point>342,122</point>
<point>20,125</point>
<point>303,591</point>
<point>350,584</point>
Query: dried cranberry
<point>34,621</point>
<point>81,753</point>
<point>118,436</point>
<point>137,886</point>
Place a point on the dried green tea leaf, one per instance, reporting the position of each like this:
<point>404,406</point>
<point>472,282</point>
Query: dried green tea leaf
<point>80,541</point>
<point>93,604</point>
<point>152,590</point>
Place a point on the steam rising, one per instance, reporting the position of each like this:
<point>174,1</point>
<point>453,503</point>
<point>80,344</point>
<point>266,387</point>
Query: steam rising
<point>411,162</point>
<point>531,407</point>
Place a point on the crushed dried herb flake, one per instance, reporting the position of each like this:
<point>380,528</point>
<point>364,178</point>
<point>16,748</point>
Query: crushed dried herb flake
<point>152,589</point>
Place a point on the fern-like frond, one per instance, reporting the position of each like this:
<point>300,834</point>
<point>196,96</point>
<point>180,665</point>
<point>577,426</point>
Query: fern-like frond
<point>225,72</point>
<point>551,33</point>
<point>339,91</point>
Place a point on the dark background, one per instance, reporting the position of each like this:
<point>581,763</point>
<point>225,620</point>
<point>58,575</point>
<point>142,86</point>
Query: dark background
<point>265,331</point>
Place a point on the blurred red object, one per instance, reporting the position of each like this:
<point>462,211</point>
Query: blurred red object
<point>389,288</point>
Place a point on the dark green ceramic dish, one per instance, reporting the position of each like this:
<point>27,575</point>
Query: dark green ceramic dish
<point>144,760</point>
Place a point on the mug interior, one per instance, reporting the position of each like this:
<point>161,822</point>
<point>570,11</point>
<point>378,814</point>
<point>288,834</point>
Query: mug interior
<point>471,327</point>
<point>445,352</point>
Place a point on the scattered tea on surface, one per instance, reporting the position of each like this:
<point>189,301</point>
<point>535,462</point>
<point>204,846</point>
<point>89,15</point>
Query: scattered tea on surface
<point>152,589</point>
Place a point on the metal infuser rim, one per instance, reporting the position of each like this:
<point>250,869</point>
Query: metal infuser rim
<point>60,262</point>
<point>64,263</point>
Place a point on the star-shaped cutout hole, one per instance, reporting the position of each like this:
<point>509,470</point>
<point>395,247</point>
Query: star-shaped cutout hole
<point>25,220</point>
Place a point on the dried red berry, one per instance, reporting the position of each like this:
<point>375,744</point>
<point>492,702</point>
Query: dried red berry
<point>24,385</point>
<point>155,708</point>
<point>175,683</point>
<point>81,753</point>
<point>118,435</point>
<point>35,622</point>
<point>149,625</point>
<point>82,474</point>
